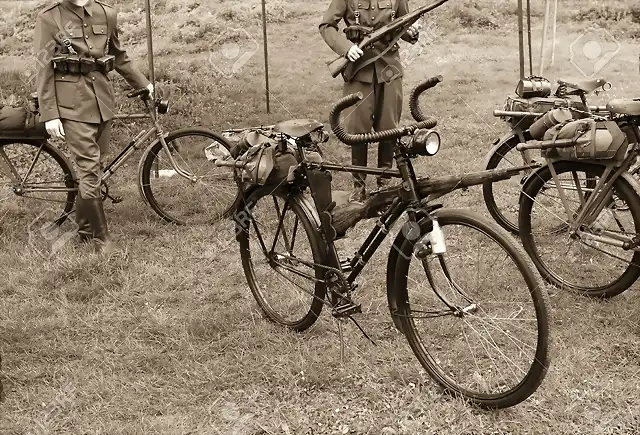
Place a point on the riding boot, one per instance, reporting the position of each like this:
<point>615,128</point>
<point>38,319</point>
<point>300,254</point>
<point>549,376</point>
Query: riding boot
<point>385,161</point>
<point>359,158</point>
<point>101,238</point>
<point>85,233</point>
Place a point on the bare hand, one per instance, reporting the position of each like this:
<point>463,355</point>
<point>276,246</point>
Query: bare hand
<point>54,128</point>
<point>354,53</point>
<point>414,30</point>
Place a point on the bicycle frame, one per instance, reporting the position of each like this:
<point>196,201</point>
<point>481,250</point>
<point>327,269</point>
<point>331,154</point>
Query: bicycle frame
<point>154,133</point>
<point>591,207</point>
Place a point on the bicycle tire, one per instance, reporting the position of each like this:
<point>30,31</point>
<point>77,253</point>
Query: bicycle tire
<point>264,290</point>
<point>535,299</point>
<point>68,177</point>
<point>624,191</point>
<point>208,202</point>
<point>497,212</point>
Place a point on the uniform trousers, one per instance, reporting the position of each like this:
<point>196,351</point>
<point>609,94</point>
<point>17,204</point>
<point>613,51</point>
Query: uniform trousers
<point>380,109</point>
<point>89,144</point>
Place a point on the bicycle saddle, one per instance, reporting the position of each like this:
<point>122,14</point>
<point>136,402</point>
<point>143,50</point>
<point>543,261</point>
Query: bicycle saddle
<point>298,127</point>
<point>583,85</point>
<point>624,106</point>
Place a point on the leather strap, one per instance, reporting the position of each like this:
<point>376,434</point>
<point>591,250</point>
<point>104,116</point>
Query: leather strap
<point>373,59</point>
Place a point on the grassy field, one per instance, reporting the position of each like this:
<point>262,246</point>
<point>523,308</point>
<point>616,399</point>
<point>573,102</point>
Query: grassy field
<point>169,340</point>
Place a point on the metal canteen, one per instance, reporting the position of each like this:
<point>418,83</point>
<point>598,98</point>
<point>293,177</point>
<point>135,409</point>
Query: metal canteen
<point>533,87</point>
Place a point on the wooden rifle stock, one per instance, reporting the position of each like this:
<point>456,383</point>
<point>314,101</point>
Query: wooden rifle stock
<point>402,23</point>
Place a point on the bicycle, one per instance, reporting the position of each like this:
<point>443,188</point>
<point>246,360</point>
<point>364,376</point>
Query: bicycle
<point>174,177</point>
<point>502,199</point>
<point>286,233</point>
<point>579,219</point>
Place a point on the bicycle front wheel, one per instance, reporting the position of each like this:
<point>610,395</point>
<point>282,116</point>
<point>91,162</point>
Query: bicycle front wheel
<point>36,182</point>
<point>476,317</point>
<point>580,263</point>
<point>282,255</point>
<point>211,194</point>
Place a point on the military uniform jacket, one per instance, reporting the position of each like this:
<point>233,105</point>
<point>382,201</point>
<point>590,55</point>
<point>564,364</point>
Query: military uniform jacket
<point>374,14</point>
<point>92,31</point>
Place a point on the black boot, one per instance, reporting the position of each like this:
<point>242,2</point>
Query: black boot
<point>85,233</point>
<point>101,238</point>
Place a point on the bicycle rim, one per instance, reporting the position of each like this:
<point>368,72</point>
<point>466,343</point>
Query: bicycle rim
<point>213,193</point>
<point>44,191</point>
<point>574,262</point>
<point>281,253</point>
<point>494,352</point>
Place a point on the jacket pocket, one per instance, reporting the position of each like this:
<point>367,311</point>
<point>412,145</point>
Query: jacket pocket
<point>66,90</point>
<point>99,29</point>
<point>384,4</point>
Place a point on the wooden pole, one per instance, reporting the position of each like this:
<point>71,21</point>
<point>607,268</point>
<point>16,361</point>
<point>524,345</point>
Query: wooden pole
<point>521,38</point>
<point>545,28</point>
<point>529,37</point>
<point>553,32</point>
<point>266,53</point>
<point>152,75</point>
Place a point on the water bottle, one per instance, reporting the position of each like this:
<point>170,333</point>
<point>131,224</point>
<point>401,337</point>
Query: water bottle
<point>436,238</point>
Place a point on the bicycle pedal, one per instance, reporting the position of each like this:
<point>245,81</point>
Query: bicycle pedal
<point>346,310</point>
<point>117,199</point>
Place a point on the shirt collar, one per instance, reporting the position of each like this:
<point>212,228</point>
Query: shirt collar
<point>78,10</point>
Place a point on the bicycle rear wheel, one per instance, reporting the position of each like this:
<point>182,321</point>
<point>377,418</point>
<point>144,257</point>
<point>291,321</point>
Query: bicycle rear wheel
<point>42,185</point>
<point>282,253</point>
<point>572,262</point>
<point>211,196</point>
<point>476,317</point>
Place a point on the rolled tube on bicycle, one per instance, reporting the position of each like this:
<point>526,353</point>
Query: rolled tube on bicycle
<point>546,144</point>
<point>414,98</point>
<point>510,114</point>
<point>363,138</point>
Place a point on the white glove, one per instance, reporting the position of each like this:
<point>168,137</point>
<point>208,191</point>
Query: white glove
<point>354,53</point>
<point>54,128</point>
<point>151,90</point>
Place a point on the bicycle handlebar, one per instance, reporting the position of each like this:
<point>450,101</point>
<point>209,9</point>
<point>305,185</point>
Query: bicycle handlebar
<point>414,105</point>
<point>364,138</point>
<point>138,92</point>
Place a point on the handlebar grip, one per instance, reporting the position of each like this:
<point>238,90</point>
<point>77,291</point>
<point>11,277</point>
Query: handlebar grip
<point>337,66</point>
<point>138,92</point>
<point>414,105</point>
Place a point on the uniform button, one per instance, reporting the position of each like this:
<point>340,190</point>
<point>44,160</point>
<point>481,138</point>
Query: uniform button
<point>90,47</point>
<point>85,24</point>
<point>86,37</point>
<point>101,31</point>
<point>62,77</point>
<point>373,7</point>
<point>93,78</point>
<point>373,18</point>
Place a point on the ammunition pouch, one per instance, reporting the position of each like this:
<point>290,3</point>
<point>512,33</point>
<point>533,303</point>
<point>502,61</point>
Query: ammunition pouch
<point>356,34</point>
<point>73,64</point>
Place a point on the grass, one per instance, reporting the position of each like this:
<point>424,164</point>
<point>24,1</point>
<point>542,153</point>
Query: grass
<point>169,340</point>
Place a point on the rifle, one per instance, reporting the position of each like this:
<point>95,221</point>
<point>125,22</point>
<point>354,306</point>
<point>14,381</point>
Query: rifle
<point>398,26</point>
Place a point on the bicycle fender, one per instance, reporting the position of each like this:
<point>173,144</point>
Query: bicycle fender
<point>497,144</point>
<point>140,165</point>
<point>392,261</point>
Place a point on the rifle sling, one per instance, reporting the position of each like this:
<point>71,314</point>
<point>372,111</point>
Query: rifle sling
<point>382,53</point>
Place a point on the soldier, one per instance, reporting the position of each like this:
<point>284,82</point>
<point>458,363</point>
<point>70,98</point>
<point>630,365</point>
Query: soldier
<point>378,77</point>
<point>77,44</point>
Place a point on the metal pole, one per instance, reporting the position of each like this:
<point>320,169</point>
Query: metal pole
<point>544,35</point>
<point>152,75</point>
<point>266,52</point>
<point>553,33</point>
<point>529,37</point>
<point>521,39</point>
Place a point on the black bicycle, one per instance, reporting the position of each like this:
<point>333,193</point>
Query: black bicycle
<point>459,287</point>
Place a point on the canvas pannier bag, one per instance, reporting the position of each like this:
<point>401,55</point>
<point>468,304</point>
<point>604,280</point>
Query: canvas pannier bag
<point>606,140</point>
<point>18,121</point>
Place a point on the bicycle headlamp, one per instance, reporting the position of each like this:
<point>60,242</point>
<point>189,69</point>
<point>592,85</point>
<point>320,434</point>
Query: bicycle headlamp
<point>163,106</point>
<point>424,143</point>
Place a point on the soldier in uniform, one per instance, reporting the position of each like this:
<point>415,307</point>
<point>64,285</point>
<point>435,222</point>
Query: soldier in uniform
<point>378,77</point>
<point>76,45</point>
